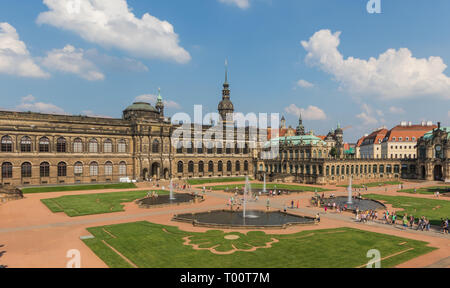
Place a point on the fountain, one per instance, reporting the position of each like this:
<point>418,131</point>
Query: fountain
<point>353,204</point>
<point>265,186</point>
<point>248,218</point>
<point>163,200</point>
<point>349,189</point>
<point>172,197</point>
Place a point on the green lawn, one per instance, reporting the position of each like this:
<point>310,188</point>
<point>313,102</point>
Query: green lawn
<point>433,209</point>
<point>149,245</point>
<point>90,204</point>
<point>374,184</point>
<point>232,187</point>
<point>215,180</point>
<point>428,190</point>
<point>78,188</point>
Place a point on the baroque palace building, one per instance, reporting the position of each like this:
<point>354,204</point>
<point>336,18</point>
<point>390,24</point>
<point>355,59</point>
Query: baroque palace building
<point>312,160</point>
<point>42,149</point>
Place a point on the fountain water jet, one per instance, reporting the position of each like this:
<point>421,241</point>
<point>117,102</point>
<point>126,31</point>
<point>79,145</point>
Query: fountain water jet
<point>349,189</point>
<point>264,188</point>
<point>172,197</point>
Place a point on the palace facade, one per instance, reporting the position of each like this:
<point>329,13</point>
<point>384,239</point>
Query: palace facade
<point>312,160</point>
<point>42,149</point>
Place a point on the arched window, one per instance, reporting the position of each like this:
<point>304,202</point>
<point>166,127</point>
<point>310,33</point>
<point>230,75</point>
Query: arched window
<point>246,166</point>
<point>61,145</point>
<point>246,148</point>
<point>122,146</point>
<point>180,167</point>
<point>238,166</point>
<point>199,148</point>
<point>107,146</point>
<point>122,168</point>
<point>26,170</point>
<point>229,166</point>
<point>25,144</point>
<point>237,148</point>
<point>44,169</point>
<point>7,144</point>
<point>77,145</point>
<point>44,145</point>
<point>93,169</point>
<point>62,169</point>
<point>93,146</point>
<point>211,166</point>
<point>190,148</point>
<point>7,170</point>
<point>78,169</point>
<point>220,166</point>
<point>229,148</point>
<point>179,148</point>
<point>155,146</point>
<point>108,168</point>
<point>201,167</point>
<point>191,167</point>
<point>219,148</point>
<point>210,148</point>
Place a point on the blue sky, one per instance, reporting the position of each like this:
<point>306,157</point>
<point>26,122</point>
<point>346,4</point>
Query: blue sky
<point>71,67</point>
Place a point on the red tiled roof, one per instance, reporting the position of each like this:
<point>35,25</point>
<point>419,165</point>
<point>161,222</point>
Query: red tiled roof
<point>374,137</point>
<point>416,131</point>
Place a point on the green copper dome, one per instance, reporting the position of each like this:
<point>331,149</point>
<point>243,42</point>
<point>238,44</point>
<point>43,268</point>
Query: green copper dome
<point>141,106</point>
<point>429,135</point>
<point>297,140</point>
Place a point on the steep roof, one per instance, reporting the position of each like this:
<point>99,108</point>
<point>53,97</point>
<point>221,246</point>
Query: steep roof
<point>375,137</point>
<point>411,131</point>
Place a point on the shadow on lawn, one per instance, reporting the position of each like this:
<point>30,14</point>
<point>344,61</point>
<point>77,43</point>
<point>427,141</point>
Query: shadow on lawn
<point>1,254</point>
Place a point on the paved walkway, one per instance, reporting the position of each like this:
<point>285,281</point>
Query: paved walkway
<point>32,236</point>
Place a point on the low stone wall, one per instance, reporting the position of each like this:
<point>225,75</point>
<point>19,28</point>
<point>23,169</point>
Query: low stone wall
<point>10,194</point>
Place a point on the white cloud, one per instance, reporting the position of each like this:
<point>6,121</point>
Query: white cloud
<point>15,59</point>
<point>394,74</point>
<point>304,84</point>
<point>28,103</point>
<point>396,110</point>
<point>113,62</point>
<point>310,113</point>
<point>150,98</point>
<point>111,23</point>
<point>367,116</point>
<point>243,4</point>
<point>72,60</point>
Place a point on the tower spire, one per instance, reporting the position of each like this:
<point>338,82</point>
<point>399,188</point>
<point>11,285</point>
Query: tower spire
<point>160,103</point>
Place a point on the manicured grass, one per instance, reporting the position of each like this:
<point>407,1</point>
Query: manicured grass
<point>90,204</point>
<point>232,187</point>
<point>428,190</point>
<point>433,209</point>
<point>215,180</point>
<point>374,184</point>
<point>77,188</point>
<point>149,245</point>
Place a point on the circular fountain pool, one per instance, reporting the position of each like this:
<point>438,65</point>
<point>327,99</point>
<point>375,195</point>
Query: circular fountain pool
<point>361,204</point>
<point>179,198</point>
<point>235,219</point>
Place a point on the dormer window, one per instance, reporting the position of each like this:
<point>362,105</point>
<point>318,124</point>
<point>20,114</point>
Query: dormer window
<point>393,139</point>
